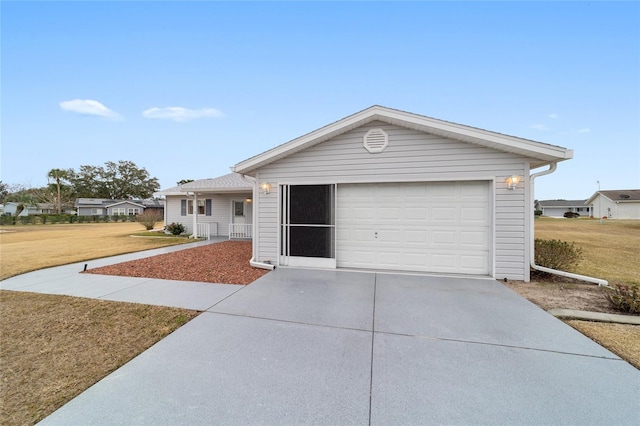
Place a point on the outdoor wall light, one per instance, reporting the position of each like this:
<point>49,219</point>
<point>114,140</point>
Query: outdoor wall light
<point>512,182</point>
<point>248,200</point>
<point>265,187</point>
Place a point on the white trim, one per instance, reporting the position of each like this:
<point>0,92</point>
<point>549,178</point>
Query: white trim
<point>383,179</point>
<point>545,153</point>
<point>492,231</point>
<point>528,220</point>
<point>124,202</point>
<point>311,262</point>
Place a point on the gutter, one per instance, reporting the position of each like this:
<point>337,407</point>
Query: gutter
<point>532,262</point>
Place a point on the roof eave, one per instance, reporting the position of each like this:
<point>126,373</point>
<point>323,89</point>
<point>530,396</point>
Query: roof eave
<point>215,190</point>
<point>541,154</point>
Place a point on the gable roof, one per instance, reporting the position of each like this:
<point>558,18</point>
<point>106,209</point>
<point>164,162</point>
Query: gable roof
<point>232,182</point>
<point>540,153</point>
<point>119,202</point>
<point>618,195</point>
<point>562,203</point>
<point>106,202</point>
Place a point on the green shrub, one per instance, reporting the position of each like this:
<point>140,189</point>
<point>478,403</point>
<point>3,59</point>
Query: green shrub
<point>623,298</point>
<point>175,228</point>
<point>7,220</point>
<point>26,220</point>
<point>556,254</point>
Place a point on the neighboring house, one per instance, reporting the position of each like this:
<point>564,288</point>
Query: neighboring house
<point>385,189</point>
<point>557,208</point>
<point>223,206</point>
<point>11,207</point>
<point>616,204</point>
<point>107,207</point>
<point>153,206</point>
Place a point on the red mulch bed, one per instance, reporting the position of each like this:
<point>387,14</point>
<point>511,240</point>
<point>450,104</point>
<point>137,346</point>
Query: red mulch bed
<point>223,263</point>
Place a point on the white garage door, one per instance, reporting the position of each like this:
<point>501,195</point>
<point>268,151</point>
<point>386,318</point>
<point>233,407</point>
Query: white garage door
<point>429,227</point>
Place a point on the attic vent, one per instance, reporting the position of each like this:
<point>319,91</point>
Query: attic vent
<point>625,196</point>
<point>375,141</point>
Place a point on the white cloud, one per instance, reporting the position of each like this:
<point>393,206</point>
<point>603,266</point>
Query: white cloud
<point>89,107</point>
<point>584,130</point>
<point>539,127</point>
<point>554,116</point>
<point>181,114</point>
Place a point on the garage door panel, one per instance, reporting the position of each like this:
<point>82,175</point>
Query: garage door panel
<point>420,237</point>
<point>478,214</point>
<point>470,263</point>
<point>431,227</point>
<point>416,213</point>
<point>474,239</point>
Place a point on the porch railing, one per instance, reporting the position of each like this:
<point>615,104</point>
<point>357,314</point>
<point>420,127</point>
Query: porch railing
<point>240,231</point>
<point>206,230</point>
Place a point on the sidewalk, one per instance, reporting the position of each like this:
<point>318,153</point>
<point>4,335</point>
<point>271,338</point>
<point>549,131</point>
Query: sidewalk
<point>67,280</point>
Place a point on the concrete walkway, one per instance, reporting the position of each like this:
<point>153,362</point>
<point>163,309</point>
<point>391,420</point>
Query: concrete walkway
<point>67,280</point>
<point>339,347</point>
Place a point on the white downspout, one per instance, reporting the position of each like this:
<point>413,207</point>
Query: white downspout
<point>532,262</point>
<point>254,219</point>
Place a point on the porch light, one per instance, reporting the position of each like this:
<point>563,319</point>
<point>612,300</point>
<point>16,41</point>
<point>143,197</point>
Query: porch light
<point>512,181</point>
<point>248,200</point>
<point>265,187</point>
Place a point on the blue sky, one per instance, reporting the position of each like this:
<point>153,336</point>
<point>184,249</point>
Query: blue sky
<point>187,89</point>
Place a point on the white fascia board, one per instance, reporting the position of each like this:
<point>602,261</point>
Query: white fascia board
<point>305,141</point>
<point>123,202</point>
<point>479,136</point>
<point>537,150</point>
<point>215,190</point>
<point>593,197</point>
<point>166,193</point>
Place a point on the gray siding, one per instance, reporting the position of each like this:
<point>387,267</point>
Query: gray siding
<point>220,211</point>
<point>86,211</point>
<point>410,156</point>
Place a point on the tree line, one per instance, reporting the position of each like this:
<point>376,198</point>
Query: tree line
<point>122,180</point>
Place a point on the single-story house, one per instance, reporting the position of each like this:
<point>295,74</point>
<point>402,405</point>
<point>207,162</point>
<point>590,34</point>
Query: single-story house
<point>616,204</point>
<point>385,189</point>
<point>557,208</point>
<point>224,206</point>
<point>108,207</point>
<point>10,208</point>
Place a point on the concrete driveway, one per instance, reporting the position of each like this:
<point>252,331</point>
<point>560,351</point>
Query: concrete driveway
<point>338,347</point>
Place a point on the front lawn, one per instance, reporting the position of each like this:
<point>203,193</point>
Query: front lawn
<point>25,248</point>
<point>55,347</point>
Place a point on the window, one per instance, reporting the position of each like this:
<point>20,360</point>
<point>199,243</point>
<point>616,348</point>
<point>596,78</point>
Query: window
<point>238,208</point>
<point>134,211</point>
<point>118,211</point>
<point>95,212</point>
<point>201,206</point>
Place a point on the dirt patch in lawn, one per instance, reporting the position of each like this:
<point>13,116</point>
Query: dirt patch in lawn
<point>223,263</point>
<point>54,347</point>
<point>563,295</point>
